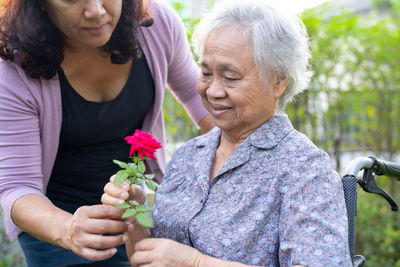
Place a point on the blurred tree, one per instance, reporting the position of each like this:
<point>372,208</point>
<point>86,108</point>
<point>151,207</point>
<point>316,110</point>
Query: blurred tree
<point>354,93</point>
<point>352,105</point>
<point>382,4</point>
<point>179,126</point>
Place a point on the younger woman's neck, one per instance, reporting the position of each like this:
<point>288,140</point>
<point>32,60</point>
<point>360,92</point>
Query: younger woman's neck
<point>81,51</point>
<point>83,58</point>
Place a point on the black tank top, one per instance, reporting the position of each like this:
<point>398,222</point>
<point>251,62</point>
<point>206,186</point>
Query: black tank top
<point>92,136</point>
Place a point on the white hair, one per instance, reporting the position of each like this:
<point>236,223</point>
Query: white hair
<point>279,43</point>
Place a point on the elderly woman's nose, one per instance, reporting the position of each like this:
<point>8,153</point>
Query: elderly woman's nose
<point>94,9</point>
<point>216,89</point>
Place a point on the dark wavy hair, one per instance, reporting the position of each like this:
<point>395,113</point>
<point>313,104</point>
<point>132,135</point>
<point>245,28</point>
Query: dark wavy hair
<point>27,30</point>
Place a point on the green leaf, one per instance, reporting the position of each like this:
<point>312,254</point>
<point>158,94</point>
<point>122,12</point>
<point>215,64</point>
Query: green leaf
<point>123,206</point>
<point>138,181</point>
<point>121,177</point>
<point>143,208</point>
<point>144,219</point>
<point>149,176</point>
<point>131,167</point>
<point>120,163</point>
<point>133,202</point>
<point>129,213</point>
<point>151,185</point>
<point>141,167</point>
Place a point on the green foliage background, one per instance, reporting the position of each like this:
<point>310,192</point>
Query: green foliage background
<point>179,126</point>
<point>357,73</point>
<point>8,256</point>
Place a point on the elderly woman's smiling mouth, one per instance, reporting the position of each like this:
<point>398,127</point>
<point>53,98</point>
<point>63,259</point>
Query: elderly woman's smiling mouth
<point>218,110</point>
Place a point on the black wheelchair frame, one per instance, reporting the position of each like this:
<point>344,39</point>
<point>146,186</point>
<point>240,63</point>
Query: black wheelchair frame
<point>371,166</point>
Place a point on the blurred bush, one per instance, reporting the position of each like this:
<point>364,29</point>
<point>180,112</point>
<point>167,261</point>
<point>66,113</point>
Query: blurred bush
<point>353,107</point>
<point>9,257</point>
<point>378,229</point>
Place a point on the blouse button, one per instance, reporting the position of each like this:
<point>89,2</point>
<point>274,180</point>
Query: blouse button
<point>205,184</point>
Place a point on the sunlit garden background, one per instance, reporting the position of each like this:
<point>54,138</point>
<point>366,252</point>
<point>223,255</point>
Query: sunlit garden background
<point>351,109</point>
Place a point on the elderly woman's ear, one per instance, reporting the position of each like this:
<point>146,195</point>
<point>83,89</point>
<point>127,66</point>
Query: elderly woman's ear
<point>279,85</point>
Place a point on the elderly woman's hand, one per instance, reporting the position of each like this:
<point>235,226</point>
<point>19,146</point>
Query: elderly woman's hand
<point>164,252</point>
<point>115,195</point>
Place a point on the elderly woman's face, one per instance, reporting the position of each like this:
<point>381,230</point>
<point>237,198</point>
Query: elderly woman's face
<point>230,86</point>
<point>84,22</point>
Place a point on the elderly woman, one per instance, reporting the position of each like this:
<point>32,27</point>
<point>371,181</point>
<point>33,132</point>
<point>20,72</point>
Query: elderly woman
<point>253,190</point>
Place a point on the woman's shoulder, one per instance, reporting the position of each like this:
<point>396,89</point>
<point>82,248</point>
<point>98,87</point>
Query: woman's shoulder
<point>15,83</point>
<point>166,32</point>
<point>289,145</point>
<point>298,161</point>
<point>301,151</point>
<point>164,15</point>
<point>11,75</point>
<point>11,70</point>
<point>8,68</point>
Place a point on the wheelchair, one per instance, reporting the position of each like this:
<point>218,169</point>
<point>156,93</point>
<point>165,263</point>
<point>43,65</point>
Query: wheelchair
<point>371,166</point>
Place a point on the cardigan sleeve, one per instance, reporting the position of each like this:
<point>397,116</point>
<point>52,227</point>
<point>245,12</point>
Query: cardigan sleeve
<point>20,150</point>
<point>182,69</point>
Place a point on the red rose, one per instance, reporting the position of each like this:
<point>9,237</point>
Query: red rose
<point>143,143</point>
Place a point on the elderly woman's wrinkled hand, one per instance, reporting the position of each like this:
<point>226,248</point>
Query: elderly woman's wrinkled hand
<point>164,252</point>
<point>115,195</point>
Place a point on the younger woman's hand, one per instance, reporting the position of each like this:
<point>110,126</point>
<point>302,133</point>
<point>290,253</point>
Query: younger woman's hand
<point>117,194</point>
<point>84,232</point>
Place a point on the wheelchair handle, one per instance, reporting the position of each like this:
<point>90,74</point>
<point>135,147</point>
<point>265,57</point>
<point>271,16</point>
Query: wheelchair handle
<point>388,168</point>
<point>378,166</point>
<point>358,164</point>
<point>371,166</point>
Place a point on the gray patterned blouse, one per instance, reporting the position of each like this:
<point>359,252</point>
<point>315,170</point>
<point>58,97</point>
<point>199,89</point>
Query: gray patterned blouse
<point>276,201</point>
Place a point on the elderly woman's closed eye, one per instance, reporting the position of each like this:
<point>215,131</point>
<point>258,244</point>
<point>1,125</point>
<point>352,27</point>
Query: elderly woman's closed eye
<point>253,191</point>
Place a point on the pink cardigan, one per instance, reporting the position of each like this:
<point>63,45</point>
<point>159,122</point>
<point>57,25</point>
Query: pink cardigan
<point>30,110</point>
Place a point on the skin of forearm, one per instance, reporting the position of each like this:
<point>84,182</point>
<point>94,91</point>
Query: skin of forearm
<point>36,215</point>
